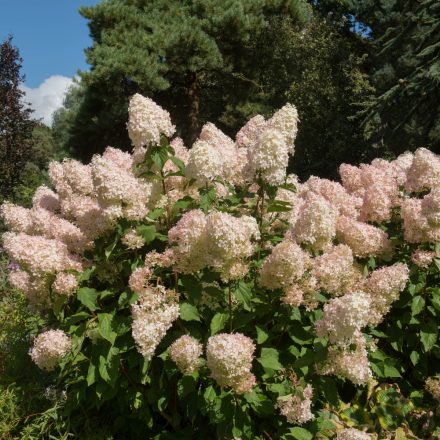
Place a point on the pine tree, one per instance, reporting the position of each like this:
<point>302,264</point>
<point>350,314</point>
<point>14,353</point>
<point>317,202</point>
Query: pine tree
<point>405,54</point>
<point>186,55</point>
<point>15,122</point>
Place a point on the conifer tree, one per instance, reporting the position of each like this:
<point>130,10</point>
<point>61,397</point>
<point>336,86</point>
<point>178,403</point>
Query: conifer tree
<point>405,55</point>
<point>15,120</point>
<point>187,55</point>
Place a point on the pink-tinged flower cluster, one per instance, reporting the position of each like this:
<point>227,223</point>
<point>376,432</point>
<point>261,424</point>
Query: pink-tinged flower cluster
<point>205,162</point>
<point>120,193</point>
<point>248,135</point>
<point>350,362</point>
<point>189,234</point>
<point>229,243</point>
<point>364,240</point>
<point>147,121</point>
<point>422,258</point>
<point>269,157</point>
<point>49,348</point>
<point>344,317</point>
<point>186,352</point>
<point>153,314</point>
<point>302,292</point>
<point>218,240</point>
<point>297,409</point>
<point>139,278</point>
<point>424,172</point>
<point>334,270</point>
<point>384,286</point>
<point>269,144</point>
<point>45,198</point>
<point>39,255</point>
<point>335,194</point>
<point>352,434</point>
<point>315,226</point>
<point>377,185</point>
<point>65,283</point>
<point>226,148</point>
<point>132,240</point>
<point>229,358</point>
<point>284,266</point>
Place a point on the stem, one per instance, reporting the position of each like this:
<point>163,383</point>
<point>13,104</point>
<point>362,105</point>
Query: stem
<point>168,214</point>
<point>230,308</point>
<point>260,204</point>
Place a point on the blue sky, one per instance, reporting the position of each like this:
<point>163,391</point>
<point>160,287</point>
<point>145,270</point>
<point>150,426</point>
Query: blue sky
<point>51,37</point>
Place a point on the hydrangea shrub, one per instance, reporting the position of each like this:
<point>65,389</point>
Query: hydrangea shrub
<point>205,293</point>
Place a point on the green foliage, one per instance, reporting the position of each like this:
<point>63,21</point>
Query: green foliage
<point>15,120</point>
<point>404,47</point>
<point>106,378</point>
<point>322,71</point>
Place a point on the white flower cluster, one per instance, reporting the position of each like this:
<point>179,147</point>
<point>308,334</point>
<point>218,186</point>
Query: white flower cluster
<point>229,357</point>
<point>285,265</point>
<point>132,240</point>
<point>186,352</point>
<point>153,315</point>
<point>49,348</point>
<point>344,317</point>
<point>271,144</point>
<point>218,240</point>
<point>147,121</point>
<point>297,409</point>
<point>352,434</point>
<point>65,283</point>
<point>349,362</point>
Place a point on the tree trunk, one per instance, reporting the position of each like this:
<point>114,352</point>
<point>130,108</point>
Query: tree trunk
<point>194,106</point>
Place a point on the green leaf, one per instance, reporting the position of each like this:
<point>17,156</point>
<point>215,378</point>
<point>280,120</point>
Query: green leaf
<point>88,297</point>
<point>417,305</point>
<point>429,334</point>
<point>109,366</point>
<point>279,206</point>
<point>188,312</point>
<point>262,336</point>
<point>207,199</point>
<point>91,374</point>
<point>218,322</point>
<point>415,357</point>
<point>147,232</point>
<point>269,359</point>
<point>299,434</point>
<point>105,327</point>
<point>244,295</point>
<point>210,395</point>
<point>186,385</point>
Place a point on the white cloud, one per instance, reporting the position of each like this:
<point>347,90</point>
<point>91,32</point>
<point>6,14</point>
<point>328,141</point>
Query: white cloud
<point>47,97</point>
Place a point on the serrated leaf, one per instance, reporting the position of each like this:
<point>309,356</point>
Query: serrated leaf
<point>299,433</point>
<point>417,305</point>
<point>91,374</point>
<point>147,232</point>
<point>218,322</point>
<point>429,334</point>
<point>279,206</point>
<point>88,297</point>
<point>262,336</point>
<point>188,312</point>
<point>415,357</point>
<point>105,327</point>
<point>269,359</point>
<point>109,366</point>
<point>244,295</point>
